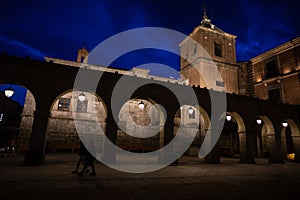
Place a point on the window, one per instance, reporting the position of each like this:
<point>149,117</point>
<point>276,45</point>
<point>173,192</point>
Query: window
<point>195,49</point>
<point>271,69</point>
<point>220,83</point>
<point>64,104</point>
<point>274,95</point>
<point>82,106</point>
<point>218,49</point>
<point>192,115</point>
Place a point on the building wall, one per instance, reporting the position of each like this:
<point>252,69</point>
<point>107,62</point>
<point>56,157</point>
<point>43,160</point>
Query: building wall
<point>62,132</point>
<point>195,57</point>
<point>286,81</point>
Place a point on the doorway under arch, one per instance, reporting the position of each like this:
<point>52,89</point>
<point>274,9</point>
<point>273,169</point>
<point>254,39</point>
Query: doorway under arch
<point>71,115</point>
<point>141,126</point>
<point>290,141</point>
<point>23,106</point>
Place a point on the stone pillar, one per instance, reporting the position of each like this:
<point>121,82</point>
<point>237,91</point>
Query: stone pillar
<point>283,147</point>
<point>166,151</point>
<point>213,157</point>
<point>109,154</point>
<point>274,149</point>
<point>36,151</point>
<point>246,148</point>
<point>296,144</point>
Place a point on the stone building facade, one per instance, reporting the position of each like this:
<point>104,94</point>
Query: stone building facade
<point>275,74</point>
<point>272,75</point>
<point>213,66</point>
<point>61,128</point>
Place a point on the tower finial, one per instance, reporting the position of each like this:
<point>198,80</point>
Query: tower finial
<point>204,11</point>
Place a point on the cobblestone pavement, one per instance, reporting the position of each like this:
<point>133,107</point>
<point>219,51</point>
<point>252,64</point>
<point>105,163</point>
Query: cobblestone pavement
<point>191,179</point>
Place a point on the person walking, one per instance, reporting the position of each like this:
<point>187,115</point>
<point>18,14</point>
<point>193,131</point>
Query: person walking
<point>81,153</point>
<point>88,160</point>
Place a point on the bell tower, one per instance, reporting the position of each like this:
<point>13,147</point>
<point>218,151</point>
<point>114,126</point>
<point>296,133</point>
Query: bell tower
<point>82,54</point>
<point>220,46</point>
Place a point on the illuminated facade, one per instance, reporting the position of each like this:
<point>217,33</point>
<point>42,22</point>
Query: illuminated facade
<point>275,74</point>
<point>272,75</point>
<point>219,67</point>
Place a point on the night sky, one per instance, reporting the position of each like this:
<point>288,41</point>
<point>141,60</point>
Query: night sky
<point>38,28</point>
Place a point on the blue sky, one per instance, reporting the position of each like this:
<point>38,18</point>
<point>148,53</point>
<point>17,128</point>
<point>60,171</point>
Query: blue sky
<point>39,28</point>
<point>58,28</point>
<point>19,95</point>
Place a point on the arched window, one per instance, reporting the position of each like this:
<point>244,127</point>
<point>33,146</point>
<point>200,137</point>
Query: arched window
<point>218,49</point>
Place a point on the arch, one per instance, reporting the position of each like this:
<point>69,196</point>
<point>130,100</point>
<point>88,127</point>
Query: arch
<point>269,128</point>
<point>265,137</point>
<point>140,129</point>
<point>68,116</point>
<point>27,103</point>
<point>294,128</point>
<point>236,137</point>
<point>239,120</point>
<point>199,120</point>
<point>290,141</point>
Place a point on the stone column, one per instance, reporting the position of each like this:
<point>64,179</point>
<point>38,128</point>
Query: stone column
<point>283,146</point>
<point>296,144</point>
<point>109,154</point>
<point>36,151</point>
<point>274,149</point>
<point>246,148</point>
<point>213,157</point>
<point>166,151</point>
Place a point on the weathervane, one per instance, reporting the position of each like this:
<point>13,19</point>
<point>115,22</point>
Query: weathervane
<point>204,11</point>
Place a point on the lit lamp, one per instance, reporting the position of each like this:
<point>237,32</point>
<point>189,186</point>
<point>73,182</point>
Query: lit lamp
<point>258,121</point>
<point>141,105</point>
<point>81,97</point>
<point>191,110</point>
<point>228,117</point>
<point>284,124</point>
<point>9,92</point>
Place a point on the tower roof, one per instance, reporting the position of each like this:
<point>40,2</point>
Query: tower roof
<point>206,22</point>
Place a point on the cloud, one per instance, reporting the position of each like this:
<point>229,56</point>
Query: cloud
<point>28,49</point>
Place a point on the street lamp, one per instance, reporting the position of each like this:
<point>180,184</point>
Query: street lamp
<point>258,121</point>
<point>141,105</point>
<point>9,92</point>
<point>191,110</point>
<point>284,124</point>
<point>228,117</point>
<point>81,97</point>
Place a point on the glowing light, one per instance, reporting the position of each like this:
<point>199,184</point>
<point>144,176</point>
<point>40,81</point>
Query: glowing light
<point>141,105</point>
<point>81,97</point>
<point>291,156</point>
<point>287,70</point>
<point>9,92</point>
<point>258,121</point>
<point>258,79</point>
<point>190,110</point>
<point>228,117</point>
<point>285,124</point>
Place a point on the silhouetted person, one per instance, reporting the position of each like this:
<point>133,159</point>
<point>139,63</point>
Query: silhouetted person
<point>89,160</point>
<point>81,152</point>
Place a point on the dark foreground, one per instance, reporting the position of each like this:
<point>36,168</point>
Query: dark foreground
<point>192,179</point>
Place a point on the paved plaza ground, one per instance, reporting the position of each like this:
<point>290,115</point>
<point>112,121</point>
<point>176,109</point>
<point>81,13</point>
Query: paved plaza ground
<point>191,179</point>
